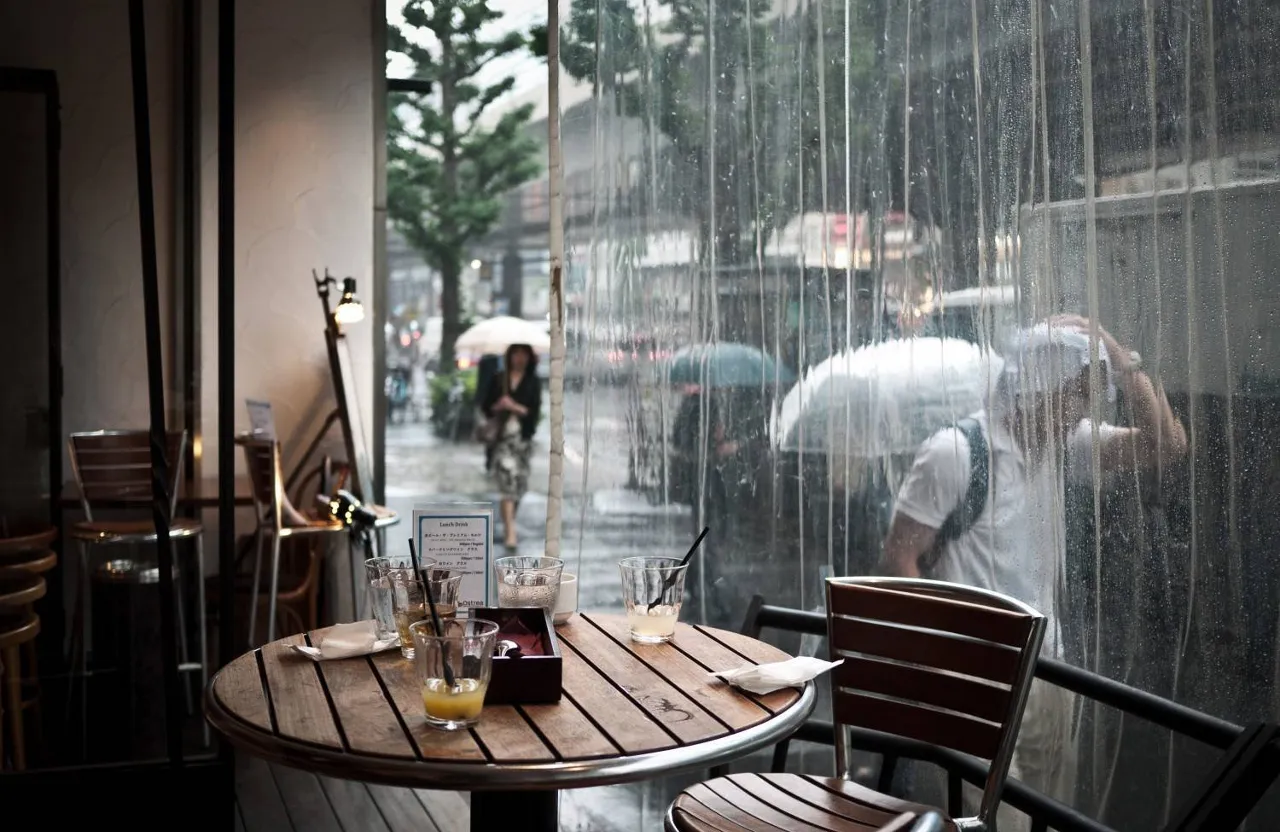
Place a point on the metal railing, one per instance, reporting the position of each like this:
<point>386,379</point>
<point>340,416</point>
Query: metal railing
<point>1045,812</point>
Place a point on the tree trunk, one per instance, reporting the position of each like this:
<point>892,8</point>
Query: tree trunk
<point>450,311</point>
<point>450,262</point>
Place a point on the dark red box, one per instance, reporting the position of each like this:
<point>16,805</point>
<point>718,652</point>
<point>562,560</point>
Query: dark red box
<point>530,679</point>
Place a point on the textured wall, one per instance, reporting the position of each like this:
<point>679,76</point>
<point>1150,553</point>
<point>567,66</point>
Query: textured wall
<point>304,174</point>
<point>87,44</point>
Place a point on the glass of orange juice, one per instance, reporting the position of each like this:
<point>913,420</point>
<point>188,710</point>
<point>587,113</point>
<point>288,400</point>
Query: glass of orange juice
<point>454,667</point>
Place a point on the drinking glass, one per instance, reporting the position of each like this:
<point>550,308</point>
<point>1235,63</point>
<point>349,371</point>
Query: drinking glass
<point>445,588</point>
<point>405,562</point>
<point>408,605</point>
<point>645,580</point>
<point>528,581</point>
<point>379,594</point>
<point>467,646</point>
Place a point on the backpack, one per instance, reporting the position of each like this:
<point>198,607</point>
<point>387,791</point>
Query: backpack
<point>974,502</point>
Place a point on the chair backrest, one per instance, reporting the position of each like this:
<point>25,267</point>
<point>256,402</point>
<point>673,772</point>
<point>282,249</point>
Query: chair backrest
<point>262,459</point>
<point>932,661</point>
<point>115,465</point>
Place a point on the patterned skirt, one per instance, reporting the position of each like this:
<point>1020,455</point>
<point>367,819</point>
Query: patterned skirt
<point>511,461</point>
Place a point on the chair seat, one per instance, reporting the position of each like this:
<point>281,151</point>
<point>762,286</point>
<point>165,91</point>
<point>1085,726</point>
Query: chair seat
<point>316,526</point>
<point>108,532</point>
<point>769,802</point>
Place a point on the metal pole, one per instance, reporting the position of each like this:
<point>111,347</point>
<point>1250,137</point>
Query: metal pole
<point>161,499</point>
<point>226,327</point>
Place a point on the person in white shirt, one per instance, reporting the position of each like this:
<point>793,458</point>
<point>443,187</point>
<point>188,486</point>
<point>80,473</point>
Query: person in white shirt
<point>1036,433</point>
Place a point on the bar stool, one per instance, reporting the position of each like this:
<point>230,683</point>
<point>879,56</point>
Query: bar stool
<point>23,556</point>
<point>115,466</point>
<point>17,628</point>
<point>262,459</point>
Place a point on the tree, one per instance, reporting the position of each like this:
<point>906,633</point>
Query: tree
<point>446,172</point>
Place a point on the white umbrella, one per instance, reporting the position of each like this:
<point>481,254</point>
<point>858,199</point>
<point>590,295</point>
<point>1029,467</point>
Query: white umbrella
<point>494,335</point>
<point>885,398</point>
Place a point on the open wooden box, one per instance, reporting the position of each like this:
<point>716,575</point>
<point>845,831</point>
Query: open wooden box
<point>530,679</point>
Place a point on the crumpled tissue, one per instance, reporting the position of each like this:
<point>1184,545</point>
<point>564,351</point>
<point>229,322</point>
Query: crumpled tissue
<point>766,678</point>
<point>343,641</point>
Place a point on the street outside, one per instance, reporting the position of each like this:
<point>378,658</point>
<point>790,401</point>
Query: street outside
<point>603,521</point>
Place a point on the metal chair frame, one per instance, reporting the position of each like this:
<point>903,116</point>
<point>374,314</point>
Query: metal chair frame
<point>89,533</point>
<point>268,508</point>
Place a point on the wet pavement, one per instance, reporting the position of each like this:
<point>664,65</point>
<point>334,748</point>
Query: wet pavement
<point>603,520</point>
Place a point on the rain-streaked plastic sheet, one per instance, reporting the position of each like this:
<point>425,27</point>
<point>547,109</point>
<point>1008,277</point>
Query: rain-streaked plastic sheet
<point>810,179</point>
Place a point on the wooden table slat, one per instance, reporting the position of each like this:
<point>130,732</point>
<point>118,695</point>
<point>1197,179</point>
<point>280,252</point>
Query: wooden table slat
<point>509,738</point>
<point>368,719</point>
<point>569,732</point>
<point>238,687</point>
<point>401,679</point>
<point>621,719</point>
<point>756,651</point>
<point>659,698</point>
<point>687,675</point>
<point>715,656</point>
<point>302,711</point>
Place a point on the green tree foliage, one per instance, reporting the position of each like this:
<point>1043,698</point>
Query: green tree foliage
<point>446,172</point>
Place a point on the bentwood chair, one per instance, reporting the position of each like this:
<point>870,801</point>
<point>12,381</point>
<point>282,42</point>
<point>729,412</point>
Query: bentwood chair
<point>262,458</point>
<point>925,660</point>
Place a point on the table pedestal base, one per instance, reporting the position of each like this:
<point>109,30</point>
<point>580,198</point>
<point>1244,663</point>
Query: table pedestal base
<point>525,811</point>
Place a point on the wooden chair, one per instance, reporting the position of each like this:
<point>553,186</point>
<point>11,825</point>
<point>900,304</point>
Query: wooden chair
<point>17,628</point>
<point>925,660</point>
<point>24,557</point>
<point>112,466</point>
<point>262,458</point>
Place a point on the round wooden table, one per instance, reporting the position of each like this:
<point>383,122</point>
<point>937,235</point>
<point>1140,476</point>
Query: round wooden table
<point>628,712</point>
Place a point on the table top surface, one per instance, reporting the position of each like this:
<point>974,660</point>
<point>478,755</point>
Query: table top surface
<point>628,712</point>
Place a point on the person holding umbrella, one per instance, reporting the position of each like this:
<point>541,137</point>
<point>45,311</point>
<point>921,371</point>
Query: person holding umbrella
<point>983,504</point>
<point>514,401</point>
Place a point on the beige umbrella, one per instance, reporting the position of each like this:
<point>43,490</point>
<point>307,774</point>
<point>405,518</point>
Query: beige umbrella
<point>494,335</point>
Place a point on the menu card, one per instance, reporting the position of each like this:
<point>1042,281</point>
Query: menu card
<point>458,537</point>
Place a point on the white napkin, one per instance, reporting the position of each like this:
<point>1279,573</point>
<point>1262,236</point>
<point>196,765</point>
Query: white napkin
<point>345,640</point>
<point>766,678</point>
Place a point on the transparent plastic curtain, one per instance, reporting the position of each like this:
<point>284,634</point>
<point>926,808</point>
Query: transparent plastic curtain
<point>809,177</point>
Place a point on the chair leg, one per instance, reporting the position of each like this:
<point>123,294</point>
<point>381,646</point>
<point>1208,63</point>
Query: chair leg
<point>275,587</point>
<point>13,704</point>
<point>184,656</point>
<point>257,583</point>
<point>82,610</point>
<point>33,704</point>
<point>203,627</point>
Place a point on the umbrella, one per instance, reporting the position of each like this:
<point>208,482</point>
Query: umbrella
<point>725,365</point>
<point>886,398</point>
<point>494,335</point>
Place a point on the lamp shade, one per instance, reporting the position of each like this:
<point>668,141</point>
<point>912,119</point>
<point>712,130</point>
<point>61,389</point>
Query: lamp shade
<point>349,309</point>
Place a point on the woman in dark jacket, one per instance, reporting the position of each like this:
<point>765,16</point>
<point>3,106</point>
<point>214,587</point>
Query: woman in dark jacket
<point>515,398</point>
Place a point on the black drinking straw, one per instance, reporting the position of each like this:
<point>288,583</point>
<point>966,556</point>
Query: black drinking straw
<point>671,579</point>
<point>435,618</point>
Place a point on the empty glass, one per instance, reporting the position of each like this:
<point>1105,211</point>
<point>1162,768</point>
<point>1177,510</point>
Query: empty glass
<point>445,588</point>
<point>379,594</point>
<point>408,605</point>
<point>528,581</point>
<point>644,581</point>
<point>453,700</point>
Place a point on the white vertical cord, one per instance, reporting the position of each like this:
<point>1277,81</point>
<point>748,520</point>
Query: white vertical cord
<point>555,174</point>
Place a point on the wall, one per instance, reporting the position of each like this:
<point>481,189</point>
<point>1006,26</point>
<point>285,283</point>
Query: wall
<point>87,44</point>
<point>304,199</point>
